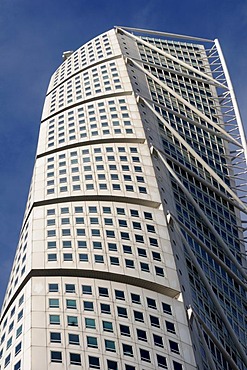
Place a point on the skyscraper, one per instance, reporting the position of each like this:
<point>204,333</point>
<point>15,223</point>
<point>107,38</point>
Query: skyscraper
<point>131,252</point>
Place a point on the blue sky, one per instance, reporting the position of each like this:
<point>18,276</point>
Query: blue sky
<point>33,35</point>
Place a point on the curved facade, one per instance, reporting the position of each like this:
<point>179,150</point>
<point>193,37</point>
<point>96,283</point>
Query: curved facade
<point>132,230</point>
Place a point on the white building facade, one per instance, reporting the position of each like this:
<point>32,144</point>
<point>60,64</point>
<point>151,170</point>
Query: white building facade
<point>131,253</point>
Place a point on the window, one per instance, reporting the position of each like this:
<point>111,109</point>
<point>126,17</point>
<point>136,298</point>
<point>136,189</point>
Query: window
<point>70,288</point>
<point>135,298</point>
<point>138,316</point>
<point>158,341</point>
<point>71,304</point>
<point>154,321</point>
<point>97,245</point>
<point>86,289</point>
<point>124,330</point>
<point>74,339</point>
<point>54,319</point>
<point>129,367</point>
<point>174,346</point>
<point>93,362</point>
<point>18,331</point>
<point>7,360</point>
<point>88,306</point>
<point>17,365</point>
<point>105,308</point>
<point>67,257</point>
<point>145,356</point>
<point>56,356</point>
<point>122,312</point>
<point>98,258</point>
<point>72,321</point>
<point>18,348</point>
<point>52,257</point>
<point>112,246</point>
<point>55,337</point>
<point>110,345</point>
<point>107,326</point>
<point>151,303</point>
<point>92,342</point>
<point>83,257</point>
<point>161,361</point>
<point>127,350</point>
<point>142,252</point>
<point>112,365</point>
<point>159,271</point>
<point>166,308</point>
<point>20,315</point>
<point>103,292</point>
<point>114,261</point>
<point>139,238</point>
<point>129,264</point>
<point>170,327</point>
<point>53,303</point>
<point>144,267</point>
<point>90,323</point>
<point>141,335</point>
<point>156,256</point>
<point>119,294</point>
<point>177,365</point>
<point>9,342</point>
<point>127,249</point>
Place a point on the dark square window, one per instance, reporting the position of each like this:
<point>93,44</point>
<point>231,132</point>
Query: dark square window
<point>74,339</point>
<point>151,303</point>
<point>107,326</point>
<point>88,306</point>
<point>177,365</point>
<point>156,256</point>
<point>53,287</point>
<point>161,361</point>
<point>105,308</point>
<point>103,292</point>
<point>75,359</point>
<point>129,367</point>
<point>114,261</point>
<point>174,346</point>
<point>125,330</point>
<point>142,252</point>
<point>127,350</point>
<point>56,356</point>
<point>166,308</point>
<point>138,316</point>
<point>170,327</point>
<point>144,267</point>
<point>145,356</point>
<point>119,294</point>
<point>127,249</point>
<point>135,298</point>
<point>55,337</point>
<point>70,288</point>
<point>158,341</point>
<point>93,362</point>
<point>112,365</point>
<point>122,312</point>
<point>86,289</point>
<point>141,335</point>
<point>129,264</point>
<point>154,321</point>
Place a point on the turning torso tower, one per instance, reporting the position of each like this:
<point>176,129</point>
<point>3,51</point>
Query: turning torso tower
<point>131,252</point>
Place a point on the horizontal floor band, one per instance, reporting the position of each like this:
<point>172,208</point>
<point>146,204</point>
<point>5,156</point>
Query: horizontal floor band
<point>93,274</point>
<point>94,98</point>
<point>89,66</point>
<point>92,198</point>
<point>93,142</point>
